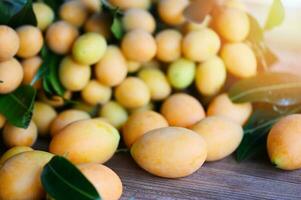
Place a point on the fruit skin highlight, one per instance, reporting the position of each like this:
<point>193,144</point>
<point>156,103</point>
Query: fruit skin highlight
<point>105,180</point>
<point>221,135</point>
<point>284,143</point>
<point>170,152</point>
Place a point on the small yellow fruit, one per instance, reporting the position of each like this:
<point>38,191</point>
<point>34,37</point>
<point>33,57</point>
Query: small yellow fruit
<point>156,82</point>
<point>20,176</point>
<point>44,15</point>
<point>139,124</point>
<point>30,68</point>
<point>232,24</point>
<point>89,48</point>
<point>284,143</point>
<point>43,115</point>
<point>210,76</point>
<point>168,45</point>
<point>14,136</point>
<point>136,18</point>
<point>96,93</point>
<point>65,118</point>
<point>171,11</point>
<point>12,152</point>
<point>105,180</point>
<point>60,37</point>
<point>223,106</point>
<point>139,45</point>
<point>133,66</point>
<point>182,110</point>
<point>11,75</point>
<point>201,45</point>
<point>9,43</point>
<point>86,141</point>
<point>132,93</point>
<point>73,12</point>
<point>114,113</point>
<point>74,76</point>
<point>239,59</point>
<point>127,4</point>
<point>221,135</point>
<point>170,152</point>
<point>31,41</point>
<point>111,70</point>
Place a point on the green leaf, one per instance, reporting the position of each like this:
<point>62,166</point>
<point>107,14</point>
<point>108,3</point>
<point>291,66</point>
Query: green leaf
<point>276,15</point>
<point>49,72</point>
<point>117,28</point>
<point>62,180</point>
<point>281,89</point>
<point>264,55</point>
<point>17,12</point>
<point>17,106</point>
<point>258,127</point>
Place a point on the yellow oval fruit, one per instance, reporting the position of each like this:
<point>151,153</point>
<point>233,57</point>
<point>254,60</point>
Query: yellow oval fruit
<point>284,143</point>
<point>139,124</point>
<point>43,115</point>
<point>137,18</point>
<point>139,45</point>
<point>239,59</point>
<point>156,82</point>
<point>182,110</point>
<point>221,135</point>
<point>114,113</point>
<point>31,41</point>
<point>105,180</point>
<point>73,12</point>
<point>111,70</point>
<point>133,66</point>
<point>171,11</point>
<point>132,93</point>
<point>9,41</point>
<point>11,75</point>
<point>74,76</point>
<point>223,106</point>
<point>2,121</point>
<point>210,76</point>
<point>96,93</point>
<point>44,14</point>
<point>86,141</point>
<point>127,4</point>
<point>20,176</point>
<point>12,152</point>
<point>99,23</point>
<point>60,37</point>
<point>65,118</point>
<point>30,68</point>
<point>168,45</point>
<point>89,48</point>
<point>201,45</point>
<point>14,136</point>
<point>170,152</point>
<point>232,24</point>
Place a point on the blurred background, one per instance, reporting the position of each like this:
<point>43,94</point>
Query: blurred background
<point>284,40</point>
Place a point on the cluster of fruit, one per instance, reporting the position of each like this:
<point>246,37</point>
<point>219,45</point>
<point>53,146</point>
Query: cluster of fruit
<point>139,84</point>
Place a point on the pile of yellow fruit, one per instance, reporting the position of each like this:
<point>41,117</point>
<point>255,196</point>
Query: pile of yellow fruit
<point>140,85</point>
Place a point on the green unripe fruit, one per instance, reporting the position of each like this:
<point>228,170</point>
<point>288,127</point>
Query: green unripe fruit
<point>181,73</point>
<point>89,48</point>
<point>114,113</point>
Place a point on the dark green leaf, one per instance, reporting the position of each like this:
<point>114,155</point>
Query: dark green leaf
<point>17,12</point>
<point>17,106</point>
<point>282,89</point>
<point>276,15</point>
<point>258,127</point>
<point>117,28</point>
<point>62,180</point>
<point>49,72</point>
